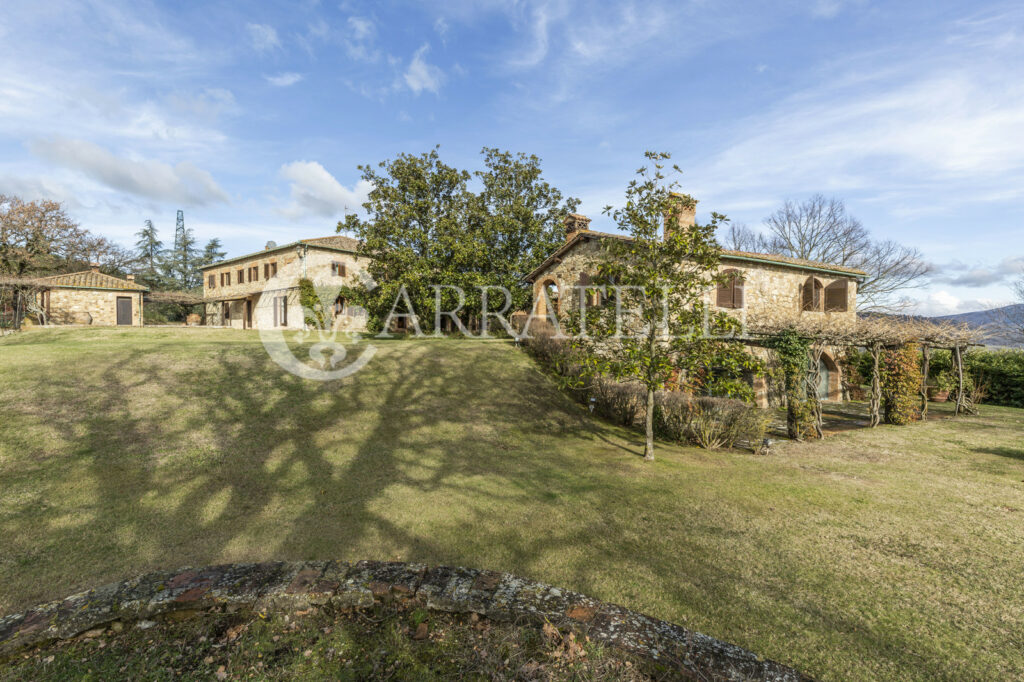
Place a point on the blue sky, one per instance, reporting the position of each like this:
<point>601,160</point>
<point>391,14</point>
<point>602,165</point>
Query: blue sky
<point>253,117</point>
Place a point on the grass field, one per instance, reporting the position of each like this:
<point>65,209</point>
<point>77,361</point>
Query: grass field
<point>893,554</point>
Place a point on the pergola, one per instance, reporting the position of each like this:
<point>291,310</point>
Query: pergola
<point>875,333</point>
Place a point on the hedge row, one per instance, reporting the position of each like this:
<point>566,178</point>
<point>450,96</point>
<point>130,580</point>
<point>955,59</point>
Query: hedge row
<point>706,422</point>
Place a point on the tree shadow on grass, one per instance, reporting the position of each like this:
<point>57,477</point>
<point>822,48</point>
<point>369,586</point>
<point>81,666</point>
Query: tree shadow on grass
<point>1012,453</point>
<point>223,456</point>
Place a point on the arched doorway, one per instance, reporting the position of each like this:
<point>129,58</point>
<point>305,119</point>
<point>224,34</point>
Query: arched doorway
<point>828,378</point>
<point>546,297</point>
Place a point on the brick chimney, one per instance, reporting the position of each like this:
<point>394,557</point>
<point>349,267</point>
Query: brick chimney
<point>684,207</point>
<point>574,222</point>
<point>95,267</point>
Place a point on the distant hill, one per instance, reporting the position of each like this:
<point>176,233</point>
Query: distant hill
<point>993,317</point>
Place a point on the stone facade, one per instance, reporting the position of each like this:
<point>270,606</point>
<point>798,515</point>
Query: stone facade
<point>261,290</point>
<point>773,287</point>
<point>91,306</point>
<point>90,298</point>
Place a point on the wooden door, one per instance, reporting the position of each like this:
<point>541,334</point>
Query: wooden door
<point>124,310</point>
<point>248,313</point>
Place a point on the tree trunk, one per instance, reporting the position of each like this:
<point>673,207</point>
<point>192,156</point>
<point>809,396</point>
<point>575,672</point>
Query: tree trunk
<point>958,359</point>
<point>649,445</point>
<point>876,385</point>
<point>926,354</point>
<point>813,379</point>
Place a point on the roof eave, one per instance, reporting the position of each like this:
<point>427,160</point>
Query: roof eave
<point>276,249</point>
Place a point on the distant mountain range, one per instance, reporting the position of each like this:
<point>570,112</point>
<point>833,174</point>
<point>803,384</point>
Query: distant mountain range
<point>994,317</point>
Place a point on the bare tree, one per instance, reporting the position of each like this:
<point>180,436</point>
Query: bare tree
<point>820,229</point>
<point>739,237</point>
<point>1013,316</point>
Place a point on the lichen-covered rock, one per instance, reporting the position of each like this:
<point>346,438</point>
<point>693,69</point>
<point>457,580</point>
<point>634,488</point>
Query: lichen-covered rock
<point>462,590</point>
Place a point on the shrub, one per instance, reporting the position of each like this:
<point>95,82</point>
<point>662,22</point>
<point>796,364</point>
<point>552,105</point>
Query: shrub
<point>708,422</point>
<point>619,402</point>
<point>1001,372</point>
<point>900,374</point>
<point>312,307</point>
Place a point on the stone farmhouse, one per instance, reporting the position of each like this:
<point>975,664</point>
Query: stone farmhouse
<point>90,297</point>
<point>261,290</point>
<point>763,285</point>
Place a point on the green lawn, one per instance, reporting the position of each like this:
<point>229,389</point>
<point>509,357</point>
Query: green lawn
<point>895,553</point>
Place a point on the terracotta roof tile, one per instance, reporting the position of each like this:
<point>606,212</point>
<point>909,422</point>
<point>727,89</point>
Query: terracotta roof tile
<point>91,280</point>
<point>726,255</point>
<point>336,241</point>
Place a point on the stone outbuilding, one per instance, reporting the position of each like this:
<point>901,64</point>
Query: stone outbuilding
<point>90,297</point>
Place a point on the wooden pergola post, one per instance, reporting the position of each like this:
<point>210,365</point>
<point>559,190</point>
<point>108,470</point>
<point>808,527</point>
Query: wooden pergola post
<point>926,354</point>
<point>960,399</point>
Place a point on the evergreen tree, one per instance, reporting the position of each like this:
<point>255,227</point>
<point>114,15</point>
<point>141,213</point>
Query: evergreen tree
<point>212,253</point>
<point>150,253</point>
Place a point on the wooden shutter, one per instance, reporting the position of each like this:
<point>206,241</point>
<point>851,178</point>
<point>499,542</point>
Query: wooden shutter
<point>812,295</point>
<point>276,323</point>
<point>836,297</point>
<point>724,299</point>
<point>730,293</point>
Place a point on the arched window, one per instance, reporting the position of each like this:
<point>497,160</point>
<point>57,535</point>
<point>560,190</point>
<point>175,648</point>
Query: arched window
<point>810,297</point>
<point>836,297</point>
<point>730,293</point>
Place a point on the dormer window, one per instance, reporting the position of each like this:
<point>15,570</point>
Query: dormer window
<point>811,295</point>
<point>730,293</point>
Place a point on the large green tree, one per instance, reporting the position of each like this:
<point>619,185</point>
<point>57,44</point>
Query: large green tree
<point>427,232</point>
<point>654,320</point>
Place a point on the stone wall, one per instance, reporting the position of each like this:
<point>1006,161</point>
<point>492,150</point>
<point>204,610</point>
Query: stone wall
<point>96,307</point>
<point>768,289</point>
<point>297,585</point>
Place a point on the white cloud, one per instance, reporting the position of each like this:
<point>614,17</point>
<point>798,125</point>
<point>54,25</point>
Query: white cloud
<point>361,28</point>
<point>942,302</point>
<point>182,183</point>
<point>423,76</point>
<point>920,127</point>
<point>263,37</point>
<point>283,80</point>
<point>315,192</point>
<point>960,274</point>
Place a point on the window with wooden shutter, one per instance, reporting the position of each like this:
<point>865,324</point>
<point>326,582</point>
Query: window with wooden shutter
<point>273,270</point>
<point>241,276</point>
<point>338,269</point>
<point>730,293</point>
<point>836,297</point>
<point>811,295</point>
<point>254,273</point>
<point>211,281</point>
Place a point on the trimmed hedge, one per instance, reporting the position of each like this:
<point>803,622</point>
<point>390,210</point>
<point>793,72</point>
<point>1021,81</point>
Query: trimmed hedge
<point>702,421</point>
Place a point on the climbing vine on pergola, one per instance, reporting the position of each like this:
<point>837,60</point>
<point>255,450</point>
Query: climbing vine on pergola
<point>874,333</point>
